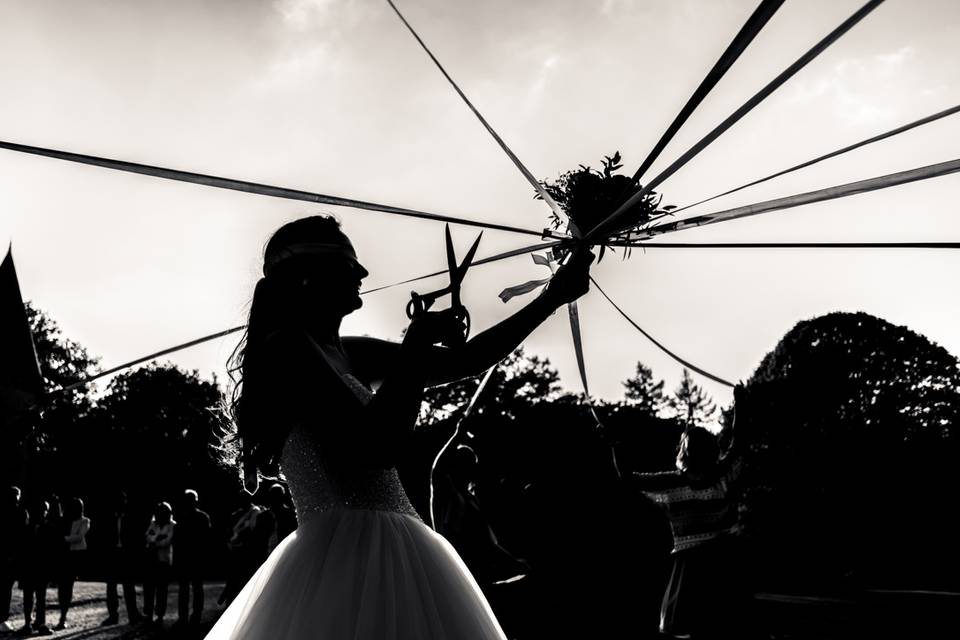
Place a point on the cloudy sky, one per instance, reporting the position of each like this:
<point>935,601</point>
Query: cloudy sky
<point>335,96</point>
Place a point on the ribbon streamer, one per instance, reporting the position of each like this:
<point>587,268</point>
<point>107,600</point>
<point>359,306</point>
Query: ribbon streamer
<point>758,19</point>
<point>494,258</point>
<point>530,285</point>
<point>252,187</point>
<point>561,215</point>
<point>608,226</point>
<point>574,316</point>
<point>787,245</point>
<point>152,356</point>
<point>456,433</point>
<point>658,344</point>
<point>832,154</point>
<point>518,290</point>
<point>829,193</point>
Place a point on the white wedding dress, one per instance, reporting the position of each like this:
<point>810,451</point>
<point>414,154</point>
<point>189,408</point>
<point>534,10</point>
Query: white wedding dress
<point>360,566</point>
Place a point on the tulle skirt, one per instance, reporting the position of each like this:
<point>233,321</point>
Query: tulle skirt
<point>357,574</point>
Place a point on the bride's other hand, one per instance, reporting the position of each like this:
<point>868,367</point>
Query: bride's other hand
<point>572,279</point>
<point>435,327</point>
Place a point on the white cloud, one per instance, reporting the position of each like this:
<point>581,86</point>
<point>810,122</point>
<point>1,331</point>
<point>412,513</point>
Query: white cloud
<point>546,71</point>
<point>303,14</point>
<point>895,59</point>
<point>294,67</point>
<point>858,90</point>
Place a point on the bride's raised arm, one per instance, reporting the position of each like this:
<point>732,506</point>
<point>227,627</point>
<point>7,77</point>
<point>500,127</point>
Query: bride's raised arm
<point>487,348</point>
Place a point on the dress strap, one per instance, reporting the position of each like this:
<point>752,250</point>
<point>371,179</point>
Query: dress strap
<point>359,389</point>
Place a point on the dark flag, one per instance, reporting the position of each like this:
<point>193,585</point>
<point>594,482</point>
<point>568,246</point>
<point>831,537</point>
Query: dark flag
<point>20,377</point>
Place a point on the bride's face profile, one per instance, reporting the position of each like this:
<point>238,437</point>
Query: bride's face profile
<point>314,273</point>
<point>331,285</point>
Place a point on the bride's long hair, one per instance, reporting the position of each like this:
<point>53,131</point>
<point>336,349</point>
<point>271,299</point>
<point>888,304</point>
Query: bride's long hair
<point>255,432</point>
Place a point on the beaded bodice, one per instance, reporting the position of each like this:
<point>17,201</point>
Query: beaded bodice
<point>319,479</point>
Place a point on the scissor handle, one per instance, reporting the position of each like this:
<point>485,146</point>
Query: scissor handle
<point>417,305</point>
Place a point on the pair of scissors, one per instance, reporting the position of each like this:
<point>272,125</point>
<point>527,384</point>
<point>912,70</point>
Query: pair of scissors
<point>420,303</point>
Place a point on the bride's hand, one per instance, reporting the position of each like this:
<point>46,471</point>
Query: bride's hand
<point>572,279</point>
<point>434,327</point>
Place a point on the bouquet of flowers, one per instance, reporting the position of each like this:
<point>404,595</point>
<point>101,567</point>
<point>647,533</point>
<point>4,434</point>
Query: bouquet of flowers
<point>588,196</point>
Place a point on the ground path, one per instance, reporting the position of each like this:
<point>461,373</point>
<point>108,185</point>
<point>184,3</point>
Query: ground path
<point>90,609</point>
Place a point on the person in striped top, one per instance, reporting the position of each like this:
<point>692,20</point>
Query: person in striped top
<point>701,598</point>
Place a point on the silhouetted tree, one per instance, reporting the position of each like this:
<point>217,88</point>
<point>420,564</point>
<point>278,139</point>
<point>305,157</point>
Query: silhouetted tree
<point>643,393</point>
<point>155,427</point>
<point>32,454</point>
<point>690,403</point>
<point>854,453</point>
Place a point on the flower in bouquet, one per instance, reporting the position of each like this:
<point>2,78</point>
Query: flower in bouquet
<point>589,196</point>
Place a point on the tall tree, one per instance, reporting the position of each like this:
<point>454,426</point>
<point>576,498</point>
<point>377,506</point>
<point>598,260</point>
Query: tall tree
<point>62,362</point>
<point>644,393</point>
<point>691,404</point>
<point>32,447</point>
<point>856,450</point>
<point>167,422</point>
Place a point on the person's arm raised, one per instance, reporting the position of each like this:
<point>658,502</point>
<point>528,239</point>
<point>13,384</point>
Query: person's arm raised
<point>487,348</point>
<point>731,460</point>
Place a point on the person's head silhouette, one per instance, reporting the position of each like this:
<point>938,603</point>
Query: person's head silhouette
<point>190,500</point>
<point>75,508</point>
<point>698,452</point>
<point>277,496</point>
<point>11,497</point>
<point>39,512</point>
<point>163,513</point>
<point>311,272</point>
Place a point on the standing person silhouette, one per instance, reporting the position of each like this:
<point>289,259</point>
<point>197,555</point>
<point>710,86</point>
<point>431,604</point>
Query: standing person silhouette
<point>193,545</point>
<point>703,598</point>
<point>278,519</point>
<point>77,526</point>
<point>159,542</point>
<point>59,559</point>
<point>124,543</point>
<point>13,529</point>
<point>362,564</point>
<point>41,543</point>
<point>242,547</point>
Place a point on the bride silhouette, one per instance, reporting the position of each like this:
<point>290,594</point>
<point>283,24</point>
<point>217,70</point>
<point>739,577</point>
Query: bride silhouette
<point>362,564</point>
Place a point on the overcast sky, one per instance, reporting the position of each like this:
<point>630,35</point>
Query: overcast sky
<point>335,96</point>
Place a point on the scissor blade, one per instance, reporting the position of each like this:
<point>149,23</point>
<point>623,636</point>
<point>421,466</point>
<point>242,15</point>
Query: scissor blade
<point>468,260</point>
<point>458,272</point>
<point>451,255</point>
<point>456,278</point>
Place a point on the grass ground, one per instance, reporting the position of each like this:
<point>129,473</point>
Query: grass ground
<point>90,609</point>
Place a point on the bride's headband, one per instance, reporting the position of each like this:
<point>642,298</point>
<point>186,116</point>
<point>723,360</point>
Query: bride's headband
<point>344,249</point>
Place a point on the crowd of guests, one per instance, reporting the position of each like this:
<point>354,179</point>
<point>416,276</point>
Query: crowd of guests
<point>45,544</point>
